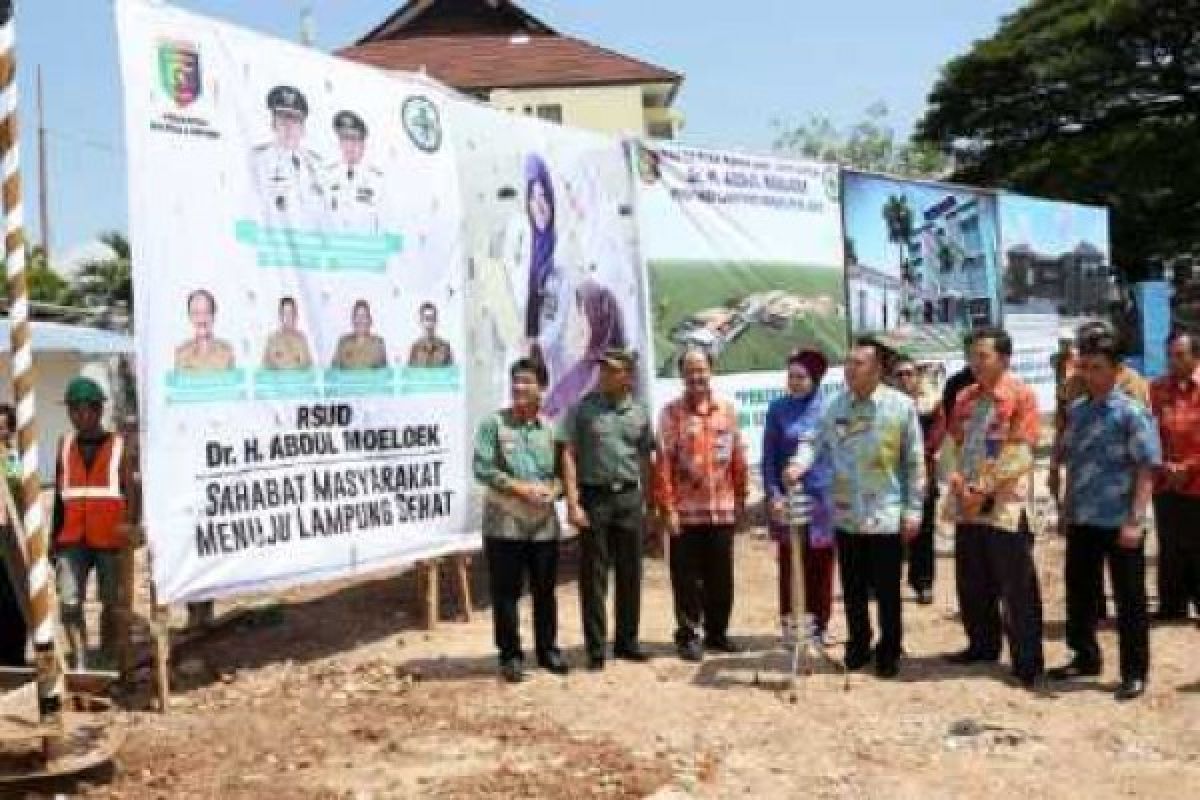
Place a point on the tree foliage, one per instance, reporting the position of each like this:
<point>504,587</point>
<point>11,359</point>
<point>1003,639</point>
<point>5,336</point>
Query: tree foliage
<point>106,282</point>
<point>870,144</point>
<point>1093,101</point>
<point>45,285</point>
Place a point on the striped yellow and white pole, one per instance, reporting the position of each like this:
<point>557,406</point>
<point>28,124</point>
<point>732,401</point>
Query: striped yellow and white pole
<point>50,680</point>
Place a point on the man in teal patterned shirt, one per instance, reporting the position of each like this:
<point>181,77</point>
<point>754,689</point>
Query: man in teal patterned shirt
<point>515,460</point>
<point>873,438</point>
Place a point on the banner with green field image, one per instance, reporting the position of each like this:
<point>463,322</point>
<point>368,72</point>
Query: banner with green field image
<point>743,258</point>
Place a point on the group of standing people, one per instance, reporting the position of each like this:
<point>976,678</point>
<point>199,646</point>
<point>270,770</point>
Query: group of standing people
<point>872,467</point>
<point>614,474</point>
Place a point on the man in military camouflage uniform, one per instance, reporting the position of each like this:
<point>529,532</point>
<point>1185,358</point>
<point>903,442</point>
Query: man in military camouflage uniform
<point>287,173</point>
<point>203,352</point>
<point>287,348</point>
<point>607,446</point>
<point>430,350</point>
<point>354,187</point>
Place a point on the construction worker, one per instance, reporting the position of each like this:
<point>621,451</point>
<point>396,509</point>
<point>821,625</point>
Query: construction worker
<point>94,509</point>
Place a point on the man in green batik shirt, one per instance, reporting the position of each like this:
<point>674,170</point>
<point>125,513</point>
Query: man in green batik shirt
<point>607,445</point>
<point>515,460</point>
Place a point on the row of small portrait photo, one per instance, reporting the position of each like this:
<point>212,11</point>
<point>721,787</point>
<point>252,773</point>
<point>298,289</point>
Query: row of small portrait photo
<point>288,347</point>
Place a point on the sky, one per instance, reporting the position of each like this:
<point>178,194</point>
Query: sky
<point>1051,228</point>
<point>787,60</point>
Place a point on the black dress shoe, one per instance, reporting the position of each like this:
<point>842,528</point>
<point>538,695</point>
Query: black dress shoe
<point>553,662</point>
<point>635,654</point>
<point>1130,690</point>
<point>856,659</point>
<point>964,657</point>
<point>1031,679</point>
<point>1076,669</point>
<point>512,671</point>
<point>723,644</point>
<point>887,669</point>
<point>595,663</point>
<point>925,597</point>
<point>691,651</point>
<point>1170,616</point>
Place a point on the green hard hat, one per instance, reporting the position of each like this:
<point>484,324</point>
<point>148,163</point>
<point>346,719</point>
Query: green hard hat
<point>84,391</point>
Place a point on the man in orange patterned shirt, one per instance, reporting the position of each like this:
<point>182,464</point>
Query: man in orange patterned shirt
<point>990,478</point>
<point>1175,399</point>
<point>702,496</point>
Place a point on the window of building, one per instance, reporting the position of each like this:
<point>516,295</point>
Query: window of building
<point>551,113</point>
<point>659,130</point>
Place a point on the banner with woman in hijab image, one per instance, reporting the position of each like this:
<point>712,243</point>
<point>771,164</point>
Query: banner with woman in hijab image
<point>550,232</point>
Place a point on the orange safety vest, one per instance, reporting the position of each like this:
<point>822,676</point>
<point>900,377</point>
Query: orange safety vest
<point>93,508</point>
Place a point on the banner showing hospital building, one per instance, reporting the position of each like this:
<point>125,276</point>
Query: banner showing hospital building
<point>300,302</point>
<point>920,261</point>
<point>1055,275</point>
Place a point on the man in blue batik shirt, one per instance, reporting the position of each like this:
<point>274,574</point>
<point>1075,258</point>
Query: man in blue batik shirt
<point>1110,449</point>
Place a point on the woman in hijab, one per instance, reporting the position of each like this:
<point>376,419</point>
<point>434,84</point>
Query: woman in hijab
<point>791,419</point>
<point>545,311</point>
<point>605,330</point>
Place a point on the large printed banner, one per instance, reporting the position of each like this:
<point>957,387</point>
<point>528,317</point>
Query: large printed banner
<point>1055,259</point>
<point>300,303</point>
<point>743,258</point>
<point>920,262</point>
<point>551,241</point>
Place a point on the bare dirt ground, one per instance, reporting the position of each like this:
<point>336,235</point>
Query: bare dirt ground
<point>335,695</point>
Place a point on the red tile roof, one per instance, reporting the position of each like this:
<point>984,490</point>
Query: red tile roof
<point>476,62</point>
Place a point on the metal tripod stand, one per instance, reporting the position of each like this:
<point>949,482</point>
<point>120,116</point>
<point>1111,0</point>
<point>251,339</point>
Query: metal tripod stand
<point>807,647</point>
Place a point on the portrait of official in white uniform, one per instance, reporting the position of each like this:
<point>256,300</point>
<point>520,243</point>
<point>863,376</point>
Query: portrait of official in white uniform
<point>287,174</point>
<point>354,188</point>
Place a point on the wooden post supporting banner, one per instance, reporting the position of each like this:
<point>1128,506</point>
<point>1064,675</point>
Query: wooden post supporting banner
<point>462,567</point>
<point>50,682</point>
<point>160,628</point>
<point>429,593</point>
<point>125,604</point>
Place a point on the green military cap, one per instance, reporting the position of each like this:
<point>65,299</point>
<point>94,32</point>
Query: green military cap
<point>347,123</point>
<point>619,357</point>
<point>287,98</point>
<point>83,391</point>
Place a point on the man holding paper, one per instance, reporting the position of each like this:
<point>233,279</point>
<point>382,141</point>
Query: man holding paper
<point>989,464</point>
<point>516,461</point>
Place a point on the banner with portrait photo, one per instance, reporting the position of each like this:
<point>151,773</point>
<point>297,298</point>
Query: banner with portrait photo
<point>743,258</point>
<point>299,309</point>
<point>551,241</point>
<point>920,262</point>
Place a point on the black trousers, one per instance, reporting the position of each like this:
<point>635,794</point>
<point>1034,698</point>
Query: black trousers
<point>13,634</point>
<point>921,559</point>
<point>1178,518</point>
<point>1088,548</point>
<point>614,539</point>
<point>994,570</point>
<point>509,561</point>
<point>702,581</point>
<point>871,562</point>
